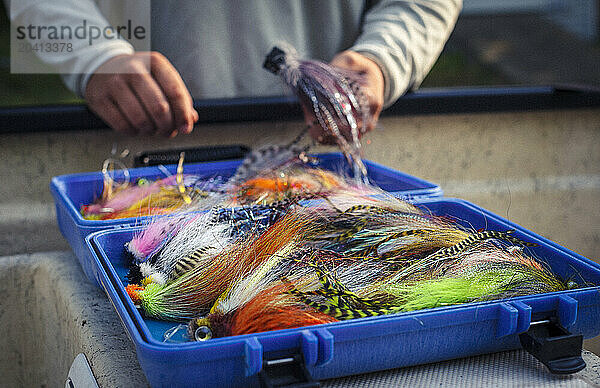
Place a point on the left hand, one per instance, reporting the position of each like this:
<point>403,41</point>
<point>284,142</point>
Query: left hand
<point>373,88</point>
<point>142,94</point>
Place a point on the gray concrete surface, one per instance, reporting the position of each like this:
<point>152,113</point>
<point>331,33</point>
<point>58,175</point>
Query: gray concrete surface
<point>538,169</point>
<point>504,369</point>
<point>50,313</point>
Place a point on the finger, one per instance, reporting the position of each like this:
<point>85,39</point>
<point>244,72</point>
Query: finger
<point>153,101</point>
<point>320,135</point>
<point>347,61</point>
<point>131,107</point>
<point>177,94</point>
<point>316,132</point>
<point>374,111</point>
<point>111,115</point>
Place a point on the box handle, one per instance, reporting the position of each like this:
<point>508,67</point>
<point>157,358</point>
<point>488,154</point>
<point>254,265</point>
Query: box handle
<point>192,155</point>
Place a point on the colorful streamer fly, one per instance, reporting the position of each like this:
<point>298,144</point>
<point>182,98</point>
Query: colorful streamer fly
<point>170,246</point>
<point>332,94</point>
<point>159,231</point>
<point>486,272</point>
<point>196,290</point>
<point>393,230</point>
<point>260,301</point>
<point>145,198</point>
<point>198,239</point>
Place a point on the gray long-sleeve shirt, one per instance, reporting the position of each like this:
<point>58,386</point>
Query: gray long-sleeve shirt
<point>219,46</point>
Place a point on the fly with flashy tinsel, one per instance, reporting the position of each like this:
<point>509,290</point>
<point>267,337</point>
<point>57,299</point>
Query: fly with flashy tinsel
<point>332,94</point>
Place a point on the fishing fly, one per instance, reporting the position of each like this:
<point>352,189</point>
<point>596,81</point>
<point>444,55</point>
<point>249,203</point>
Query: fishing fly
<point>333,95</point>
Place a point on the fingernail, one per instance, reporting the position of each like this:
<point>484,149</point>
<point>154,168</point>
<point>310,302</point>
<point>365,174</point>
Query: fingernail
<point>186,128</point>
<point>173,134</point>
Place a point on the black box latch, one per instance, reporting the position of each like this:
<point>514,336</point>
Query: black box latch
<point>554,346</point>
<point>286,372</point>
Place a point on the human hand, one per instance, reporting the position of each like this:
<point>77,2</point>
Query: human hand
<point>372,86</point>
<point>134,99</point>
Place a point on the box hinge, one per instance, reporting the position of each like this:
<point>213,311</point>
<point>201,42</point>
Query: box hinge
<point>554,346</point>
<point>286,372</point>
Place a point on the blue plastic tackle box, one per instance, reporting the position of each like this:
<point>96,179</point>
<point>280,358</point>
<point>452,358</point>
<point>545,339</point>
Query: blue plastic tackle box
<point>359,345</point>
<point>72,191</point>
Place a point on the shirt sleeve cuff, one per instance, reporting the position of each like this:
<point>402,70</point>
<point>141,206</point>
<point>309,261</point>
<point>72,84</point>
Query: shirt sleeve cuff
<point>391,92</point>
<point>78,82</point>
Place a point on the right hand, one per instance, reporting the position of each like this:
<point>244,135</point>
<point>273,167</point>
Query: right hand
<point>134,99</point>
<point>373,86</point>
